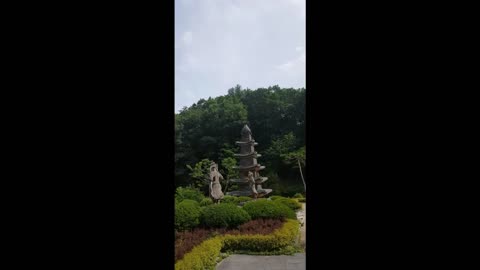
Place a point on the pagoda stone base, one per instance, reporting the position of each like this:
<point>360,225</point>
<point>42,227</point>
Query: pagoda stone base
<point>248,193</point>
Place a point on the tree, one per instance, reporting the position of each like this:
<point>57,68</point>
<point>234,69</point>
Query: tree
<point>297,159</point>
<point>229,171</point>
<point>200,173</point>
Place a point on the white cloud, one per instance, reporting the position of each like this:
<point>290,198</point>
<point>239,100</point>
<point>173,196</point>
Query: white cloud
<point>187,37</point>
<point>247,42</point>
<point>297,63</point>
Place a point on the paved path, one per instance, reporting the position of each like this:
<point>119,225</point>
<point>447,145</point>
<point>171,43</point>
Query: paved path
<point>282,262</point>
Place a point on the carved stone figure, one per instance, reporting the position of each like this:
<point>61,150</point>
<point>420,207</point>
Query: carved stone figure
<point>251,182</point>
<point>215,188</point>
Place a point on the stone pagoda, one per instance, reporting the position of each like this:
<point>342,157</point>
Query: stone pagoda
<point>250,182</point>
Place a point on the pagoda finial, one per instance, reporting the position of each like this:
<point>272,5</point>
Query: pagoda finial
<point>246,130</point>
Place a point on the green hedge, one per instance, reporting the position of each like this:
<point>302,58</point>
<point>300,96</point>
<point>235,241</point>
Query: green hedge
<point>201,257</point>
<point>182,194</point>
<point>224,215</point>
<point>298,195</point>
<point>291,203</point>
<point>206,202</point>
<point>228,199</point>
<point>280,238</point>
<point>187,215</point>
<point>243,199</point>
<point>268,209</point>
<point>302,200</point>
<point>204,256</point>
<point>276,197</point>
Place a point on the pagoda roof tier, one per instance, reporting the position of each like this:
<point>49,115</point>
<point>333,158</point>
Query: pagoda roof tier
<point>248,155</point>
<point>256,166</point>
<point>249,142</point>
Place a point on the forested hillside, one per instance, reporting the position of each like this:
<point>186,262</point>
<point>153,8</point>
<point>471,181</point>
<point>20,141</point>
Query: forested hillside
<point>207,131</point>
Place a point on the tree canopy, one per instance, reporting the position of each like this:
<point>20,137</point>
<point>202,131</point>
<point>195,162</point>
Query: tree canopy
<point>209,128</point>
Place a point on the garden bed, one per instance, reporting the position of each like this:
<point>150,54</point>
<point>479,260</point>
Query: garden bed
<point>187,240</point>
<point>205,255</point>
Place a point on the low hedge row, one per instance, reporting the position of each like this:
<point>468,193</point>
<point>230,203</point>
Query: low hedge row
<point>204,256</point>
<point>280,238</point>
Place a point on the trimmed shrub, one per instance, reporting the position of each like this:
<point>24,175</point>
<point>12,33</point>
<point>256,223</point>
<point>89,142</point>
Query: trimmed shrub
<point>302,200</point>
<point>187,240</point>
<point>206,202</point>
<point>298,195</point>
<point>187,215</point>
<point>228,199</point>
<point>268,209</point>
<point>243,199</point>
<point>224,215</point>
<point>203,256</point>
<point>182,194</point>
<point>280,238</point>
<point>276,197</point>
<point>291,203</point>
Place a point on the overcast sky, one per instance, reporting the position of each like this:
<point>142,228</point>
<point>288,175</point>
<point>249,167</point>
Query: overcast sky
<point>222,43</point>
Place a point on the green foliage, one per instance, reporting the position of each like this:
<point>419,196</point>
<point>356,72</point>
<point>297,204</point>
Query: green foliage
<point>243,199</point>
<point>291,203</point>
<point>268,209</point>
<point>273,114</point>
<point>224,215</point>
<point>200,173</point>
<point>227,167</point>
<point>298,195</point>
<point>292,157</point>
<point>279,239</point>
<point>187,215</point>
<point>206,202</point>
<point>288,250</point>
<point>229,199</point>
<point>203,256</point>
<point>276,197</point>
<point>302,200</point>
<point>182,194</point>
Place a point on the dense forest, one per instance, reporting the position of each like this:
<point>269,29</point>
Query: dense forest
<point>207,131</point>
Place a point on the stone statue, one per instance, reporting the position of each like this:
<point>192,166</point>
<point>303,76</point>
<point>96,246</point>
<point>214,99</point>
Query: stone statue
<point>215,188</point>
<point>251,182</point>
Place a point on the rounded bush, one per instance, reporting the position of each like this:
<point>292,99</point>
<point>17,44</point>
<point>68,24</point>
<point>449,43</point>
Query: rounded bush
<point>182,194</point>
<point>243,199</point>
<point>268,209</point>
<point>298,195</point>
<point>229,199</point>
<point>187,215</point>
<point>206,202</point>
<point>291,203</point>
<point>276,197</point>
<point>224,215</point>
<point>301,200</point>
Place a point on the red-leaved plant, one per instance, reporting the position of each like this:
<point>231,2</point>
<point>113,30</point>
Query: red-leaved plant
<point>185,241</point>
